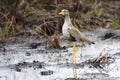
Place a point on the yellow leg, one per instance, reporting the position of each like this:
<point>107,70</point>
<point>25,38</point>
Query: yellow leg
<point>74,59</point>
<point>74,52</point>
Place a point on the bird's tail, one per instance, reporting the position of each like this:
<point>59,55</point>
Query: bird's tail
<point>93,42</point>
<point>90,42</point>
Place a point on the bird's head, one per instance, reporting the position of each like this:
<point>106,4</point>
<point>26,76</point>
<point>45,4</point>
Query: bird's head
<point>64,12</point>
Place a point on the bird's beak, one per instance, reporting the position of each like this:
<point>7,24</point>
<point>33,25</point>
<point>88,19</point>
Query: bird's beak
<point>61,13</point>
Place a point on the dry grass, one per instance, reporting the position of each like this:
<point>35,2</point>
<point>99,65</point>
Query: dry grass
<point>23,16</point>
<point>102,62</point>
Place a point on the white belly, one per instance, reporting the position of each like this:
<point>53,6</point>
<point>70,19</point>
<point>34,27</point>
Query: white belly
<point>65,31</point>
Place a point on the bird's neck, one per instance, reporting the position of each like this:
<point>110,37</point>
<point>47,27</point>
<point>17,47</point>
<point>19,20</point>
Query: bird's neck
<point>67,18</point>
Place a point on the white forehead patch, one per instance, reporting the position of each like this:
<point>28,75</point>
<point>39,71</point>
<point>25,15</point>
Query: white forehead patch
<point>64,10</point>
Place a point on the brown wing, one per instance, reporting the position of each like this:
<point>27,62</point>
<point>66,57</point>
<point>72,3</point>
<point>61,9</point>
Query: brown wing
<point>78,35</point>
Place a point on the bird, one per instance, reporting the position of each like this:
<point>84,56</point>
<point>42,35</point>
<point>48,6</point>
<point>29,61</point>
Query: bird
<point>70,32</point>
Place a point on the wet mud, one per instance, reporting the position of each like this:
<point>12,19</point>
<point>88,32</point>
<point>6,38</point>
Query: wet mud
<point>30,60</point>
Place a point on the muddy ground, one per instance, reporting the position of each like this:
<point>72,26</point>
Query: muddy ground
<point>28,59</point>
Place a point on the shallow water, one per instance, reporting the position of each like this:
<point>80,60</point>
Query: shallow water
<point>57,65</point>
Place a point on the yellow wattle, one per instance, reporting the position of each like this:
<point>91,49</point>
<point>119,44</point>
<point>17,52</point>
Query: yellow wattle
<point>61,13</point>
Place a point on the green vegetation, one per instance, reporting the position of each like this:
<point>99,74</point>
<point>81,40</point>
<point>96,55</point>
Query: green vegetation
<point>24,3</point>
<point>116,21</point>
<point>116,24</point>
